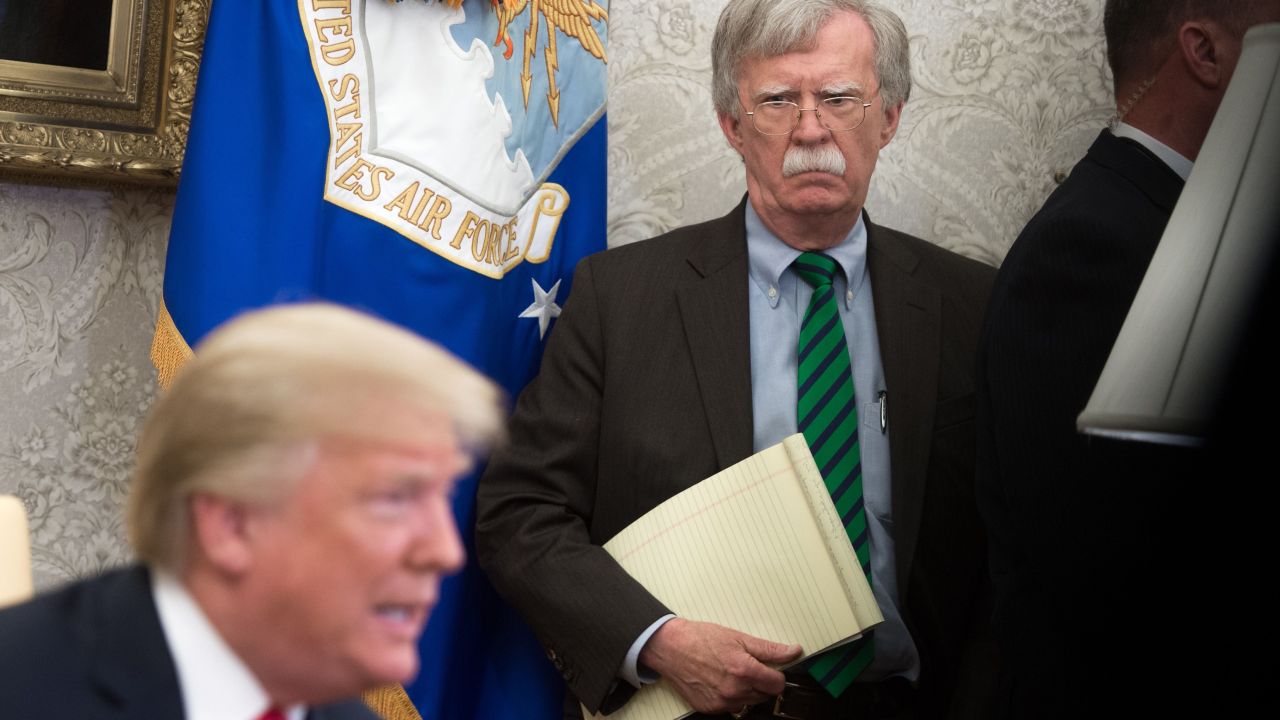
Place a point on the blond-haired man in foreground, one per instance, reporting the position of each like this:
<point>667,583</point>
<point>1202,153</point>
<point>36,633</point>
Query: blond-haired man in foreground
<point>291,512</point>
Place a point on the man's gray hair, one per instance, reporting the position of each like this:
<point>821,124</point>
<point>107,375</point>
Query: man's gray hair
<point>767,28</point>
<point>244,416</point>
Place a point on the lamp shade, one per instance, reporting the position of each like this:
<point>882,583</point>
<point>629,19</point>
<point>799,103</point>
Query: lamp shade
<point>1166,370</point>
<point>15,552</point>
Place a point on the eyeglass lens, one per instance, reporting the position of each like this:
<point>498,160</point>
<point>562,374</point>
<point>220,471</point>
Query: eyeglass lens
<point>779,117</point>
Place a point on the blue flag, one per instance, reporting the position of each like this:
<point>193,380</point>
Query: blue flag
<point>442,167</point>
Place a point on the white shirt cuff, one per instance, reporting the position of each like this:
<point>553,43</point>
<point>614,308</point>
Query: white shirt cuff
<point>631,665</point>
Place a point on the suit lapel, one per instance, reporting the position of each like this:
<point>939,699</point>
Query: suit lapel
<point>908,323</point>
<point>717,326</point>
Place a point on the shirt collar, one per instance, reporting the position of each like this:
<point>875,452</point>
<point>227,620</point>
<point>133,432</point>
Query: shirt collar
<point>215,682</point>
<point>768,257</point>
<point>1167,155</point>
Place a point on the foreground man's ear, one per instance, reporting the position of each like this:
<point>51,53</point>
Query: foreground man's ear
<point>220,530</point>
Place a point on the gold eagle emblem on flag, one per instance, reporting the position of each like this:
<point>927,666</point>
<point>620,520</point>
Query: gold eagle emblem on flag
<point>571,17</point>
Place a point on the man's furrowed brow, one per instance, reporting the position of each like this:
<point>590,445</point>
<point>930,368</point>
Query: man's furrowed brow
<point>843,88</point>
<point>770,90</point>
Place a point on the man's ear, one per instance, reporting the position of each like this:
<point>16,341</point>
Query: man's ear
<point>891,117</point>
<point>1202,49</point>
<point>732,129</point>
<point>220,530</point>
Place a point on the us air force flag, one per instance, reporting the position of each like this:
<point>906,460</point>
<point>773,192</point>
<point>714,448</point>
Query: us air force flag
<point>440,166</point>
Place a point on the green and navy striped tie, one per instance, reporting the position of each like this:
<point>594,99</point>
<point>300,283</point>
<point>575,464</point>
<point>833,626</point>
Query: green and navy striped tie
<point>828,417</point>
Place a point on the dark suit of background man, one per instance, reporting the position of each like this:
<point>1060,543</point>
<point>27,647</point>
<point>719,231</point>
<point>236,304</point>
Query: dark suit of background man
<point>1099,549</point>
<point>291,506</point>
<point>676,357</point>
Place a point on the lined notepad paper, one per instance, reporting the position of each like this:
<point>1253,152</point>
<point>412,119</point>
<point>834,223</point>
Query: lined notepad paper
<point>758,547</point>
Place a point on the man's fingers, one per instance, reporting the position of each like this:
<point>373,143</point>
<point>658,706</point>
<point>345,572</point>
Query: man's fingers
<point>770,653</point>
<point>761,677</point>
<point>764,679</point>
<point>717,669</point>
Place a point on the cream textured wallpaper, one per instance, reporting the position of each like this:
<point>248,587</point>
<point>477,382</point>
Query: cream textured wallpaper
<point>80,274</point>
<point>1008,95</point>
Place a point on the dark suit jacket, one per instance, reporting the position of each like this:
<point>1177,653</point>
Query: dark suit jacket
<point>95,649</point>
<point>1081,530</point>
<point>645,389</point>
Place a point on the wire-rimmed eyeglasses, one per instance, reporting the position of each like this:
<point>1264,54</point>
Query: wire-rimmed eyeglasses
<point>837,114</point>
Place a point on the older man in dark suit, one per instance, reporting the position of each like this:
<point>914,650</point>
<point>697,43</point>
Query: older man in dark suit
<point>679,356</point>
<point>291,506</point>
<point>1092,540</point>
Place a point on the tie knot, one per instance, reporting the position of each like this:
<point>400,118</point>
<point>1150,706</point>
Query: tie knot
<point>273,713</point>
<point>815,268</point>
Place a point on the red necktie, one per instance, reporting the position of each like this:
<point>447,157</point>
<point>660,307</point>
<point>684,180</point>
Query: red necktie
<point>272,714</point>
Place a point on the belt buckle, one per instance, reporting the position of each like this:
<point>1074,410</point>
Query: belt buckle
<point>778,702</point>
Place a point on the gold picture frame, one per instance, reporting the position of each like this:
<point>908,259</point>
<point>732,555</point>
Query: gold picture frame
<point>125,124</point>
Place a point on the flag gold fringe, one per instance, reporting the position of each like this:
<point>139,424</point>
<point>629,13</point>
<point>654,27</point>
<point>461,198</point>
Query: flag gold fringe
<point>391,702</point>
<point>169,351</point>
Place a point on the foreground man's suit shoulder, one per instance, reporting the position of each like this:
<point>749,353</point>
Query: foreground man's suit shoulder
<point>645,389</point>
<point>92,648</point>
<point>96,649</point>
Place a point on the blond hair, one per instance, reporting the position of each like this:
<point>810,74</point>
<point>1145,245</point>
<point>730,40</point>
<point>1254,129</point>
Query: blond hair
<point>241,417</point>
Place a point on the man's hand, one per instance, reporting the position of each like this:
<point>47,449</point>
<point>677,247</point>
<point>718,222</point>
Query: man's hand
<point>716,669</point>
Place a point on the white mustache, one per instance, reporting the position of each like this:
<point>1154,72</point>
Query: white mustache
<point>804,158</point>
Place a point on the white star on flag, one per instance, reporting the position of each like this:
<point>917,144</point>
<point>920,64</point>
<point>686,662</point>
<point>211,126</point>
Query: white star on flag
<point>544,306</point>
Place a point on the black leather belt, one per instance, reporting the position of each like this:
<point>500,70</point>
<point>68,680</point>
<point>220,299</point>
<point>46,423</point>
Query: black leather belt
<point>891,699</point>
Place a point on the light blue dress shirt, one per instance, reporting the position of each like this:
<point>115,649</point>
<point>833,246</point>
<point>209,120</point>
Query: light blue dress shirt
<point>778,299</point>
